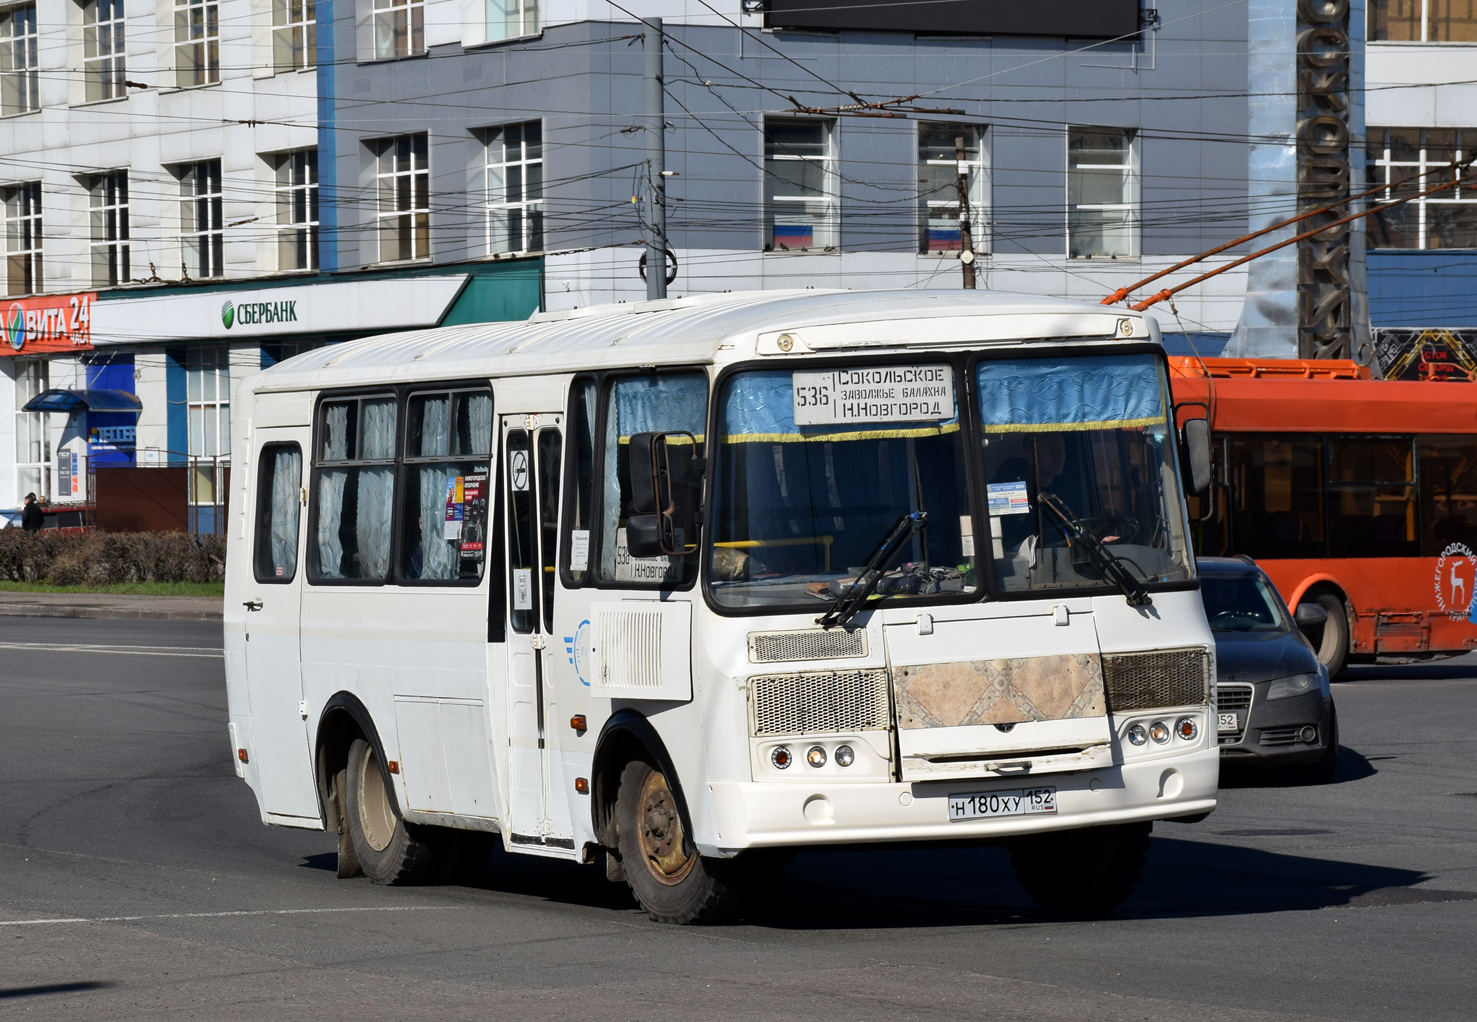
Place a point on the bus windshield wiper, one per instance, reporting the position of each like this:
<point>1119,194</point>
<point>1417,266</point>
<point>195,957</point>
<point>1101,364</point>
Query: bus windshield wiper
<point>863,585</point>
<point>1107,562</point>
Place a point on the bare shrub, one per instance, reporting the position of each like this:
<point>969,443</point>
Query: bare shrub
<point>101,558</point>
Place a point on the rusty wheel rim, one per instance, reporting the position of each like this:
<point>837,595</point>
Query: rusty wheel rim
<point>376,818</point>
<point>659,831</point>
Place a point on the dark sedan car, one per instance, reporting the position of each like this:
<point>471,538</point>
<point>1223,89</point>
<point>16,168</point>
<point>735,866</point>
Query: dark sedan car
<point>1273,703</point>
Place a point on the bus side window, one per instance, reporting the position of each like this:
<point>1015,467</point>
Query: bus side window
<point>444,509</point>
<point>579,501</point>
<point>1277,495</point>
<point>279,486</point>
<point>354,490</point>
<point>1371,497</point>
<point>1448,493</point>
<point>645,403</point>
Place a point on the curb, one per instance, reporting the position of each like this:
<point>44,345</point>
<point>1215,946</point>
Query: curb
<point>124,613</point>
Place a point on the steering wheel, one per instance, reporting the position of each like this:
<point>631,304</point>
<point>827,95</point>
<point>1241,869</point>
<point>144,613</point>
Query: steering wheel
<point>1124,527</point>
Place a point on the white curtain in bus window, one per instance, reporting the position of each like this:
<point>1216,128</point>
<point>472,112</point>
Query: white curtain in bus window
<point>1079,447</point>
<point>654,403</point>
<point>444,534</point>
<point>355,501</point>
<point>285,465</point>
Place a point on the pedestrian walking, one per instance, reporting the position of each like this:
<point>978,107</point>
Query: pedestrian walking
<point>31,516</point>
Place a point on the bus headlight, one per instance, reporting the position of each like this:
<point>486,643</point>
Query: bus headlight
<point>816,756</point>
<point>845,755</point>
<point>780,756</point>
<point>1137,735</point>
<point>1297,685</point>
<point>1159,731</point>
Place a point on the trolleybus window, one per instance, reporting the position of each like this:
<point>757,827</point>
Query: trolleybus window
<point>448,441</point>
<point>278,503</point>
<point>1448,492</point>
<point>523,576</point>
<point>814,468</point>
<point>1371,497</point>
<point>354,480</point>
<point>1078,467</point>
<point>1277,496</point>
<point>649,403</point>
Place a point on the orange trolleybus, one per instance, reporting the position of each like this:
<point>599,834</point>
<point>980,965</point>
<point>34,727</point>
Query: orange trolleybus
<point>1357,494</point>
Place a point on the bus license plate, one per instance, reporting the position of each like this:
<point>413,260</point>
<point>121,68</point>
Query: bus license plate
<point>984,804</point>
<point>1227,722</point>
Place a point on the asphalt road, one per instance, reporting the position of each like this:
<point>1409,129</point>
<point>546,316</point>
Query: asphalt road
<point>137,882</point>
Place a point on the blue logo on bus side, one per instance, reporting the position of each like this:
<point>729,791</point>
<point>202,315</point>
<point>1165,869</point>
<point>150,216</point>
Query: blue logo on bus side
<point>578,648</point>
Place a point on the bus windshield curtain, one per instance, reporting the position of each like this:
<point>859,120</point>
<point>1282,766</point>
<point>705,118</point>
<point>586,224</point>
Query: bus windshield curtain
<point>474,424</point>
<point>331,491</point>
<point>1044,395</point>
<point>376,489</point>
<point>287,474</point>
<point>760,408</point>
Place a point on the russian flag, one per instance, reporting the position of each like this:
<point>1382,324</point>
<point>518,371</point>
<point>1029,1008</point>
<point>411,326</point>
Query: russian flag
<point>788,236</point>
<point>944,239</point>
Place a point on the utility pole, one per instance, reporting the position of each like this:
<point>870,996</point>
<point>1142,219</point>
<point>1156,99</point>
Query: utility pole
<point>656,162</point>
<point>966,239</point>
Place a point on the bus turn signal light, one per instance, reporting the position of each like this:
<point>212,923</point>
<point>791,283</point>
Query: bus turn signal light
<point>582,785</point>
<point>393,766</point>
<point>242,756</point>
<point>578,723</point>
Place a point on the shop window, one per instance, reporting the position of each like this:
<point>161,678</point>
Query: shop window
<point>202,221</point>
<point>404,179</point>
<point>938,187</point>
<point>579,509</point>
<point>1423,21</point>
<point>107,197</point>
<point>294,34</point>
<point>509,19</point>
<point>296,189</point>
<point>19,67</point>
<point>353,486</point>
<point>1447,470</point>
<point>515,188</point>
<point>799,186</point>
<point>649,403</point>
<point>278,504</point>
<point>104,58</point>
<point>448,488</point>
<point>399,28</point>
<point>32,438</point>
<point>208,422</point>
<point>1422,159</point>
<point>23,239</point>
<point>197,43</point>
<point>1102,193</point>
<point>1277,496</point>
<point>1371,497</point>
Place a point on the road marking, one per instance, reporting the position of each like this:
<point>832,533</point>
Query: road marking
<point>227,915</point>
<point>80,647</point>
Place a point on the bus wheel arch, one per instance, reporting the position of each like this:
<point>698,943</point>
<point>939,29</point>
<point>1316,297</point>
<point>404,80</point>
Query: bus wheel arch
<point>1336,642</point>
<point>343,721</point>
<point>626,737</point>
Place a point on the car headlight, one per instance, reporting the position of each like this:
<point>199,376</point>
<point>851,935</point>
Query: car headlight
<point>1297,685</point>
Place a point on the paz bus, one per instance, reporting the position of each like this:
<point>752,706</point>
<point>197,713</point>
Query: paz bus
<point>1358,495</point>
<point>686,585</point>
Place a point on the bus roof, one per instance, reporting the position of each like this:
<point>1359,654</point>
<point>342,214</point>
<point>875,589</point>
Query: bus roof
<point>696,330</point>
<point>1308,396</point>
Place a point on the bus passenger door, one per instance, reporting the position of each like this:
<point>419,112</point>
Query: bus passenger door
<point>531,453</point>
<point>273,607</point>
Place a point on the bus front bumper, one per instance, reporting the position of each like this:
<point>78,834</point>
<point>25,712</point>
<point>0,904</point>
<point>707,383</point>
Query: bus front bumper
<point>771,814</point>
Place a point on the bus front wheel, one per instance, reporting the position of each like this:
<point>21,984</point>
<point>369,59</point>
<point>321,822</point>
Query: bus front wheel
<point>1085,872</point>
<point>1333,648</point>
<point>670,880</point>
<point>387,849</point>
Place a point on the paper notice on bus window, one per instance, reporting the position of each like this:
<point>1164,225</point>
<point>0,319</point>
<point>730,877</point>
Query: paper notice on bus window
<point>579,549</point>
<point>522,588</point>
<point>1008,498</point>
<point>966,535</point>
<point>842,397</point>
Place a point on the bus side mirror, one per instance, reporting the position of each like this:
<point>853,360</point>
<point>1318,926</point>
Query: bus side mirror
<point>1195,442</point>
<point>663,494</point>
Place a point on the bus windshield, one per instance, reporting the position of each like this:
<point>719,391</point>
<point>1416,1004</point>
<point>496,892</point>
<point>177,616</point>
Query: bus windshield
<point>1076,445</point>
<point>814,468</point>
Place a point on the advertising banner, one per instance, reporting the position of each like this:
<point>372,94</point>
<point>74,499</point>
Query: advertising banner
<point>48,324</point>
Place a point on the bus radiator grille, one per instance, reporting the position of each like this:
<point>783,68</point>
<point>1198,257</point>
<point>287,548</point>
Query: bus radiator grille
<point>816,644</point>
<point>1150,681</point>
<point>818,702</point>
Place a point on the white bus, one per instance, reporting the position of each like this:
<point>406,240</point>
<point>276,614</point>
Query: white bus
<point>695,583</point>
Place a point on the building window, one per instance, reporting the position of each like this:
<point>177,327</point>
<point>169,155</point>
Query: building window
<point>19,74</point>
<point>197,42</point>
<point>108,202</point>
<point>208,419</point>
<point>1423,21</point>
<point>399,28</point>
<point>1102,187</point>
<point>1444,220</point>
<point>23,239</point>
<point>404,199</point>
<point>294,34</point>
<point>32,439</point>
<point>515,188</point>
<point>103,62</point>
<point>297,210</point>
<point>938,187</point>
<point>509,19</point>
<point>799,186</point>
<point>202,230</point>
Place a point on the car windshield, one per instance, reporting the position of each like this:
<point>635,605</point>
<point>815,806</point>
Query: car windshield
<point>813,468</point>
<point>1241,603</point>
<point>1079,469</point>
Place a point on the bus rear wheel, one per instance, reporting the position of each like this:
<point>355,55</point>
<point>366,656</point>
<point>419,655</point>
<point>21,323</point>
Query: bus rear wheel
<point>667,876</point>
<point>1087,872</point>
<point>388,850</point>
<point>1333,648</point>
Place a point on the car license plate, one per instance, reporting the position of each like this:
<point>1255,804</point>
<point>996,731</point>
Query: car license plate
<point>985,804</point>
<point>1227,722</point>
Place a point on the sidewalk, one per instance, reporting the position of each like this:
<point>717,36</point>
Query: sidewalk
<point>103,605</point>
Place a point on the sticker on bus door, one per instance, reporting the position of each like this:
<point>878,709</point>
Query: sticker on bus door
<point>522,588</point>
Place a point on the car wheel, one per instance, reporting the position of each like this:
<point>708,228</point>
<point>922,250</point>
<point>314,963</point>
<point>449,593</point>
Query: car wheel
<point>1087,872</point>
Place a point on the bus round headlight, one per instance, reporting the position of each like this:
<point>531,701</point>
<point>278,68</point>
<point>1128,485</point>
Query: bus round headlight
<point>1159,731</point>
<point>816,756</point>
<point>845,755</point>
<point>1137,735</point>
<point>780,756</point>
<point>1187,729</point>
